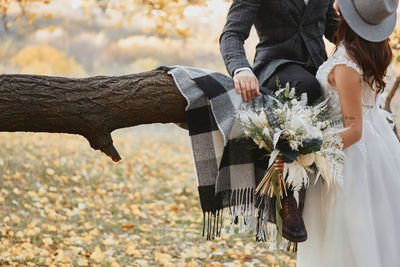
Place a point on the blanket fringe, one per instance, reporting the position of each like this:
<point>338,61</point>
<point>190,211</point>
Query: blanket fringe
<point>214,224</point>
<point>243,212</point>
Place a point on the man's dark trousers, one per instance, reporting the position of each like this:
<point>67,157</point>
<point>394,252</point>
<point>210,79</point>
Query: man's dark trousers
<point>301,78</point>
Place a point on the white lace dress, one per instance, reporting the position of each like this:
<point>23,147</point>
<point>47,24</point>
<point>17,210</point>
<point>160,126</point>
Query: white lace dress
<point>359,227</point>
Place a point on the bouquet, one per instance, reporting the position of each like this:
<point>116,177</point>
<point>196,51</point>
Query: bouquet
<point>300,135</point>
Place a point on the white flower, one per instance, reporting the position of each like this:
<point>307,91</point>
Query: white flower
<point>304,99</point>
<point>277,92</point>
<point>277,135</point>
<point>297,176</point>
<point>266,132</point>
<point>294,144</point>
<point>306,159</point>
<point>322,125</point>
<point>292,93</point>
<point>287,90</point>
<point>260,120</point>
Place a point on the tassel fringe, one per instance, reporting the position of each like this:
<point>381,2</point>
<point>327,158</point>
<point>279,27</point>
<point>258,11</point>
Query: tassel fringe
<point>248,217</point>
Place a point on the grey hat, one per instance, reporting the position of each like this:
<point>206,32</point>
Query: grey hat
<point>373,20</point>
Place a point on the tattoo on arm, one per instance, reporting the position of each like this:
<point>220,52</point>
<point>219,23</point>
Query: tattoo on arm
<point>350,118</point>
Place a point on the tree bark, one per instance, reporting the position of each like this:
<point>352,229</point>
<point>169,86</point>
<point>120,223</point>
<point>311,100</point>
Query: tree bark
<point>389,98</point>
<point>92,107</point>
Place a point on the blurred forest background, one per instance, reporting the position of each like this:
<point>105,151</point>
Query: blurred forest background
<point>63,204</point>
<point>85,38</point>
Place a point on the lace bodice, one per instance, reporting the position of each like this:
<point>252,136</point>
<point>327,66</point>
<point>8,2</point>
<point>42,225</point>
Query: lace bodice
<point>340,57</point>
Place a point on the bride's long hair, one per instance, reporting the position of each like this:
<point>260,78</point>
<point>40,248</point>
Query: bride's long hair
<point>372,57</point>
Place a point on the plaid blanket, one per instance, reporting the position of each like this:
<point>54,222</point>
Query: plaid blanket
<point>228,168</point>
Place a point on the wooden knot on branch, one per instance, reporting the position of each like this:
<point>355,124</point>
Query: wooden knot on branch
<point>103,141</point>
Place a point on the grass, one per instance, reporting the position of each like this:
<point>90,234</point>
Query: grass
<point>64,204</point>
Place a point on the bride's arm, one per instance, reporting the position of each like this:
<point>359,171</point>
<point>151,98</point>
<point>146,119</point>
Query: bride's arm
<point>348,84</point>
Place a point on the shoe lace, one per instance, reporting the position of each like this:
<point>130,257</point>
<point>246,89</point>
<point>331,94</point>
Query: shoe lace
<point>288,206</point>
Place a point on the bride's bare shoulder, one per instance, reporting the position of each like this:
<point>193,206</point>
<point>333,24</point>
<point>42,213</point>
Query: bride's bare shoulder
<point>345,74</point>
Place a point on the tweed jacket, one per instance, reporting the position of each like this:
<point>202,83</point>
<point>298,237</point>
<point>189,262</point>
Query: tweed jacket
<point>288,31</point>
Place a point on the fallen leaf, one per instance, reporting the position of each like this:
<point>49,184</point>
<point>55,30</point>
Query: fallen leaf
<point>97,254</point>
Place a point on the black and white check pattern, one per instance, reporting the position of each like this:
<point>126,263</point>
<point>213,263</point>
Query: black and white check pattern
<point>228,168</point>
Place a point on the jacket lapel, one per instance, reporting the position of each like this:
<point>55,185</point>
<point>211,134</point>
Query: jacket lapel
<point>301,6</point>
<point>307,9</point>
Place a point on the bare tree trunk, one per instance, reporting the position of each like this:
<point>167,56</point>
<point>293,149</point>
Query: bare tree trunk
<point>390,97</point>
<point>4,22</point>
<point>92,107</point>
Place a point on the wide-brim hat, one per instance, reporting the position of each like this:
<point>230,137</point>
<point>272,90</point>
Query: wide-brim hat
<point>373,20</point>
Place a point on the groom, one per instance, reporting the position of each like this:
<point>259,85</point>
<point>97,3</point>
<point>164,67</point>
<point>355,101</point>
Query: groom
<point>291,48</point>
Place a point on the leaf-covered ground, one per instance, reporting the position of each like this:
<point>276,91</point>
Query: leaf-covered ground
<point>64,204</point>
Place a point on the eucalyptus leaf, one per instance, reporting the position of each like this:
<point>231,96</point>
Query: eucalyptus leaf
<point>310,145</point>
<point>289,155</point>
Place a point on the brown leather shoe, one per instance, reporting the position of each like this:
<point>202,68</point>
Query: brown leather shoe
<point>293,228</point>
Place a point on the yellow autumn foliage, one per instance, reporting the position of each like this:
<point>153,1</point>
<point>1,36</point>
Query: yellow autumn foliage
<point>166,14</point>
<point>46,60</point>
<point>143,64</point>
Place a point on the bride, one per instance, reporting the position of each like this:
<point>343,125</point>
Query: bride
<point>357,224</point>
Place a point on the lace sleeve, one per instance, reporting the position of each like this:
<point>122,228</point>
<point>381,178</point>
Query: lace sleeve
<point>341,58</point>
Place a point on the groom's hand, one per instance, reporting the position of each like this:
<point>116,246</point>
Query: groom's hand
<point>246,84</point>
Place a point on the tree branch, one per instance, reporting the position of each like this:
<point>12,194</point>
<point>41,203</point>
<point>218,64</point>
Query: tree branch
<point>92,107</point>
<point>389,100</point>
